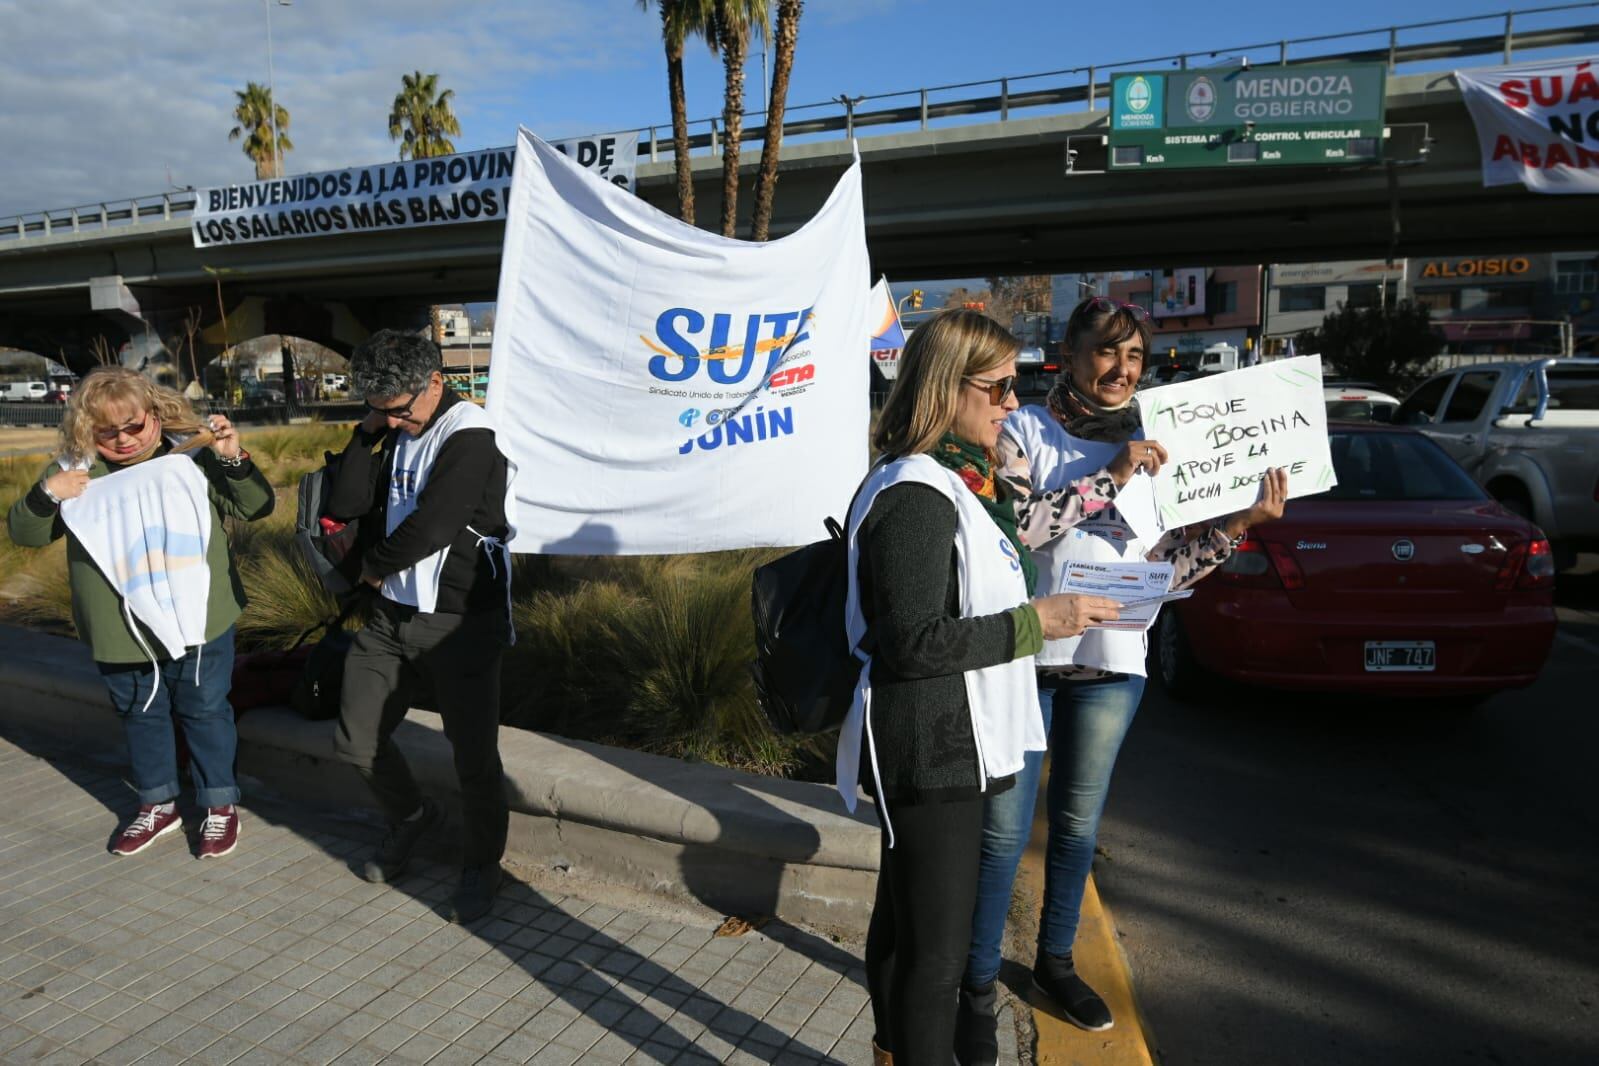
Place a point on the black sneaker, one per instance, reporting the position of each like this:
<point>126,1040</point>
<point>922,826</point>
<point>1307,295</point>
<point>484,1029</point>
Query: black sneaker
<point>475,896</point>
<point>394,854</point>
<point>976,1027</point>
<point>1056,977</point>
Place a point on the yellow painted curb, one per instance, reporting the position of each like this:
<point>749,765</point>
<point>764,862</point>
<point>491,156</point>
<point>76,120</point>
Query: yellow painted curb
<point>1100,959</point>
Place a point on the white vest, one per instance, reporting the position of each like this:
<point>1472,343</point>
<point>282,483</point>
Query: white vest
<point>148,529</point>
<point>418,585</point>
<point>1055,459</point>
<point>1003,699</point>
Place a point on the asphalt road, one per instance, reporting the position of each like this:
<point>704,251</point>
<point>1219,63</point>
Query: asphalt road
<point>1318,880</point>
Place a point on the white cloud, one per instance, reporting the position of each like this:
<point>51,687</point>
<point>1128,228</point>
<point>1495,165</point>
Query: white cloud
<point>103,100</point>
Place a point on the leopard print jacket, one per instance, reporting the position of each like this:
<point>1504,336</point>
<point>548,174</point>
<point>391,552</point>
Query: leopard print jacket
<point>1043,517</point>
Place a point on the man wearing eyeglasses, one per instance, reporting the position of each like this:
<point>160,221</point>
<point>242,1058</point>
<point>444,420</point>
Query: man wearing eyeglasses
<point>423,468</point>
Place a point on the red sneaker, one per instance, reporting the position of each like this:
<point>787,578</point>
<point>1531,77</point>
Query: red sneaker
<point>153,820</point>
<point>219,832</point>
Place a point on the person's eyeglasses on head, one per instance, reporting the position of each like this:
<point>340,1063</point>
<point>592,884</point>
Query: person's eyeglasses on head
<point>1105,305</point>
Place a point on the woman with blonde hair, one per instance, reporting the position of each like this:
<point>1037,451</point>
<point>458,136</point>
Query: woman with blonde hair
<point>139,490</point>
<point>939,607</point>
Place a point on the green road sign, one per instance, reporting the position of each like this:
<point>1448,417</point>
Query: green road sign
<point>1266,116</point>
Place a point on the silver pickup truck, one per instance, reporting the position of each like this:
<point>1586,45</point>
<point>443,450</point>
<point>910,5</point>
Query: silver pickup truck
<point>1528,432</point>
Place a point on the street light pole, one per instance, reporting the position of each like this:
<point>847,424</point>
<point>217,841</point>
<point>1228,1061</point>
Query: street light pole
<point>272,97</point>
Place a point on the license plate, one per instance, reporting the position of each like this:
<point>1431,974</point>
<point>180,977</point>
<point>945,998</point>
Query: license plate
<point>1399,655</point>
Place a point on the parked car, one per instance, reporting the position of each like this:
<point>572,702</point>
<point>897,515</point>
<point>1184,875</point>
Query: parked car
<point>262,396</point>
<point>1528,432</point>
<point>1355,401</point>
<point>56,395</point>
<point>1030,375</point>
<point>1405,579</point>
<point>1165,374</point>
<point>24,391</point>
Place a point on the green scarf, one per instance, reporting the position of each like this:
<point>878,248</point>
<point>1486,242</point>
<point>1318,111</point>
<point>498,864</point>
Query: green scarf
<point>975,466</point>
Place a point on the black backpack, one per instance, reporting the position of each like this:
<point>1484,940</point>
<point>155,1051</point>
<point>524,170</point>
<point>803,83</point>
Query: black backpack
<point>805,670</point>
<point>332,548</point>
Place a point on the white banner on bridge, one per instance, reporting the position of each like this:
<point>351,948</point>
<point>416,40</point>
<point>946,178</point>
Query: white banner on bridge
<point>663,389</point>
<point>1537,124</point>
<point>1222,432</point>
<point>422,192</point>
<point>470,187</point>
<point>613,156</point>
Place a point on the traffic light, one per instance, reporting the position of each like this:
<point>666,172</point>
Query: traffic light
<point>916,299</point>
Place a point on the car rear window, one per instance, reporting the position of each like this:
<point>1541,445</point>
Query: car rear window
<point>1570,389</point>
<point>1359,410</point>
<point>1395,466</point>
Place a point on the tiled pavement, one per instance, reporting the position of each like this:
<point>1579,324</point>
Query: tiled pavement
<point>278,953</point>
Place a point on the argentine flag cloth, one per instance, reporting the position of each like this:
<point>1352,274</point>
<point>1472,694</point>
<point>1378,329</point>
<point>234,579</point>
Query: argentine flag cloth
<point>147,528</point>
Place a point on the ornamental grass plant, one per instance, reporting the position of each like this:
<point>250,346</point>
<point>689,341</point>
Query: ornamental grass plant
<point>645,652</point>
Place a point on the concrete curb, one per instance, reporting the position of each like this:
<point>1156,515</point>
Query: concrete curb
<point>1099,958</point>
<point>737,842</point>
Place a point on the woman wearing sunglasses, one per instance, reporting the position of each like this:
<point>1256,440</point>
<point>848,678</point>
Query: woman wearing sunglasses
<point>939,599</point>
<point>1065,462</point>
<point>140,499</point>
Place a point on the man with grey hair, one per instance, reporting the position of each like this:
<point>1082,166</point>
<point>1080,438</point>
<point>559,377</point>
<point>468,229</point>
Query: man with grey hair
<point>423,471</point>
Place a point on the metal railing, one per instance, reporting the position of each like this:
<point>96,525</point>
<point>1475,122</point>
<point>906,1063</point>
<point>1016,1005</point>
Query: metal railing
<point>924,108</point>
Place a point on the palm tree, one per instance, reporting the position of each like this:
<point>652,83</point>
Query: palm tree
<point>264,145</point>
<point>421,117</point>
<point>786,37</point>
<point>680,20</point>
<point>734,21</point>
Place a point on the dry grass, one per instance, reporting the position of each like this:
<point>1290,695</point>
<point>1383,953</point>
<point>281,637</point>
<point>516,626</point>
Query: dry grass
<point>651,653</point>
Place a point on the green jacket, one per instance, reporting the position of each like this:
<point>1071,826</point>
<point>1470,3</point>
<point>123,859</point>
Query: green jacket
<point>238,492</point>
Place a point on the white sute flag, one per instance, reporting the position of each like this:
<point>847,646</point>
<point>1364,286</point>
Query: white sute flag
<point>663,389</point>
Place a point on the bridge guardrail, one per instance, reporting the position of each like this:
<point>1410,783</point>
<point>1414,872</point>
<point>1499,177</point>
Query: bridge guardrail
<point>1077,85</point>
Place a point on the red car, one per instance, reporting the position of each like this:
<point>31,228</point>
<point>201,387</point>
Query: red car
<point>1405,579</point>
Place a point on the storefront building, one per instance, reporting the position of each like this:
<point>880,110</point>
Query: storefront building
<point>1300,295</point>
<point>1491,304</point>
<point>1194,308</point>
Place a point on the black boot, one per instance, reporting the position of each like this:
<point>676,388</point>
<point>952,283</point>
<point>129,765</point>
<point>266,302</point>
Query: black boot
<point>1056,977</point>
<point>977,1027</point>
<point>393,856</point>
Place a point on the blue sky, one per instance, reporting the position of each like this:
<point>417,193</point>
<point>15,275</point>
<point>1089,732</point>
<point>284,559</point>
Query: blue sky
<point>141,96</point>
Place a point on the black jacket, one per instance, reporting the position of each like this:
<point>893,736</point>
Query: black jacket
<point>922,647</point>
<point>465,487</point>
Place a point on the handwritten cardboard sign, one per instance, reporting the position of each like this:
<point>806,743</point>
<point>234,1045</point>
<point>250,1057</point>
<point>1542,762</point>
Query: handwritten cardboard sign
<point>1224,431</point>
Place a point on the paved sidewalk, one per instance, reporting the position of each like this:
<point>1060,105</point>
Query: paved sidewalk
<point>278,953</point>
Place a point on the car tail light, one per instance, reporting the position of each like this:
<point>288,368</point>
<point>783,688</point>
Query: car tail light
<point>1538,568</point>
<point>1249,565</point>
<point>1054,368</point>
<point>1287,566</point>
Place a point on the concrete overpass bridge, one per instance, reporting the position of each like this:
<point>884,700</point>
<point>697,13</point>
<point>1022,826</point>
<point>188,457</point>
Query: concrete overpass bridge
<point>981,198</point>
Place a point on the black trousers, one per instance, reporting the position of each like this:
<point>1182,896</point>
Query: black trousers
<point>458,657</point>
<point>921,928</point>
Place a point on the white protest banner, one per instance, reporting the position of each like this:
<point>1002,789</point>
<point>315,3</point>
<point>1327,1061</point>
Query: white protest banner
<point>421,192</point>
<point>613,156</point>
<point>1222,433</point>
<point>663,389</point>
<point>1537,124</point>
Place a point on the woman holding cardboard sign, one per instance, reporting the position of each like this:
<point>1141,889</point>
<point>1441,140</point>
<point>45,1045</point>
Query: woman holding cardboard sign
<point>941,605</point>
<point>1071,465</point>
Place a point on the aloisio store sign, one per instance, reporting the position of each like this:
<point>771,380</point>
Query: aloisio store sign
<point>1480,268</point>
<point>1294,116</point>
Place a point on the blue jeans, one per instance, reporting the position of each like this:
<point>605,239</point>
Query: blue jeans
<point>193,690</point>
<point>1085,722</point>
